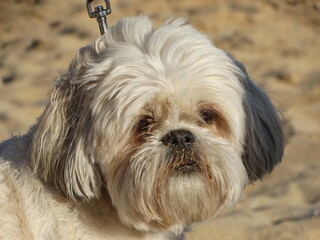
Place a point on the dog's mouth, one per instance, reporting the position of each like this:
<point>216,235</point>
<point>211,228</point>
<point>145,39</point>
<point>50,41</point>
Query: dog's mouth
<point>185,160</point>
<point>187,167</point>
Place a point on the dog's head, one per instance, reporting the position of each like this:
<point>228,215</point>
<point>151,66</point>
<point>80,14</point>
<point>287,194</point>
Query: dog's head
<point>171,127</point>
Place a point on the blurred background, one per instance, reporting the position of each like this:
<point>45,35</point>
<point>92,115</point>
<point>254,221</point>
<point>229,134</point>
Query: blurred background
<point>277,40</point>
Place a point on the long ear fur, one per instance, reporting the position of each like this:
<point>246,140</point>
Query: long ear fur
<point>60,152</point>
<point>264,142</point>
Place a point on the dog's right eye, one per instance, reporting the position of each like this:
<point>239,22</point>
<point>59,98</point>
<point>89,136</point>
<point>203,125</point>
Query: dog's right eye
<point>208,115</point>
<point>145,124</point>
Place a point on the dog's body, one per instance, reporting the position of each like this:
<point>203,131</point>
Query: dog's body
<point>148,132</point>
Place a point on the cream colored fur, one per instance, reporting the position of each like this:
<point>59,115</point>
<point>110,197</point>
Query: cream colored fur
<point>30,210</point>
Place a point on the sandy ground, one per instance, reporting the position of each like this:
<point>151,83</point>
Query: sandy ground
<point>277,40</point>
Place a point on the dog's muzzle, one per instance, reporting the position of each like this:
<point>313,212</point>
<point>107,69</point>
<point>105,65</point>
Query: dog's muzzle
<point>181,143</point>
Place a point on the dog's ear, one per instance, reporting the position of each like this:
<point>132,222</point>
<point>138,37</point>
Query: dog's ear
<point>264,141</point>
<point>60,152</point>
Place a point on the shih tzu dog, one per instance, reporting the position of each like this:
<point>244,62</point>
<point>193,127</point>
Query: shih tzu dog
<point>148,132</point>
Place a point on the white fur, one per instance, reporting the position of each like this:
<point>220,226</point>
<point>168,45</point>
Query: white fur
<point>82,172</point>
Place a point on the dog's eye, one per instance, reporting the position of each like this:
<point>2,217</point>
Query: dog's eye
<point>208,115</point>
<point>145,124</point>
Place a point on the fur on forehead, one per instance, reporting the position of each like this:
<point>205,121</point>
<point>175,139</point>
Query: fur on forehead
<point>172,47</point>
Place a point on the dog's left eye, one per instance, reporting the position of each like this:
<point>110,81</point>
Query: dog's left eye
<point>145,124</point>
<point>208,115</point>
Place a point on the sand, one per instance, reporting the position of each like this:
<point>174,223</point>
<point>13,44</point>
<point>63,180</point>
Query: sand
<point>277,40</point>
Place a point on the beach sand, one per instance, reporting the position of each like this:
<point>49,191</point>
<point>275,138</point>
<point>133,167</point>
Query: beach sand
<point>278,42</point>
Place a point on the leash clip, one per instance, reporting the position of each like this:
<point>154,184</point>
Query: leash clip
<point>100,14</point>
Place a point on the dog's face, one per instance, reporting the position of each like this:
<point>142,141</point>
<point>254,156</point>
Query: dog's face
<point>169,126</point>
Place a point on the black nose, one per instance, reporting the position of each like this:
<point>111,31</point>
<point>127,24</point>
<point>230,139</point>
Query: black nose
<point>178,138</point>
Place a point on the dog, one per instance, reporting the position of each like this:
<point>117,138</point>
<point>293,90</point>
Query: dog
<point>147,133</point>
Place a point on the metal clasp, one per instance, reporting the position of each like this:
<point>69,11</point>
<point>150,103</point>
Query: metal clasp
<point>100,14</point>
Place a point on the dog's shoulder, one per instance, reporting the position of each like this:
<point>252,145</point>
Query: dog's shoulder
<point>13,156</point>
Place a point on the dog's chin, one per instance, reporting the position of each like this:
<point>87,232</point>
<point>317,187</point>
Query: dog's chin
<point>152,195</point>
<point>186,199</point>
